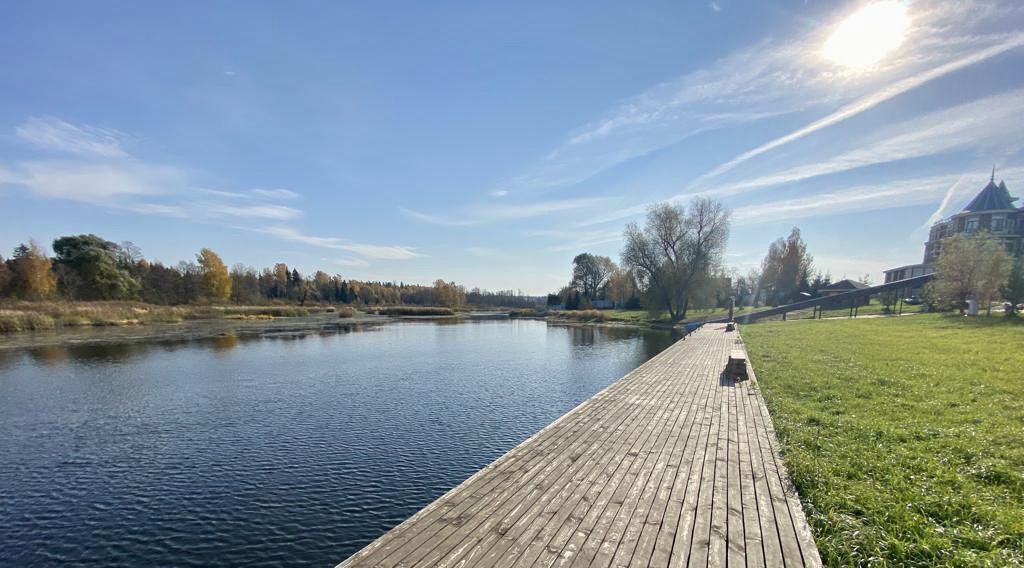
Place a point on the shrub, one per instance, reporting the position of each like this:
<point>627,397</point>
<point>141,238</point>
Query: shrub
<point>581,315</point>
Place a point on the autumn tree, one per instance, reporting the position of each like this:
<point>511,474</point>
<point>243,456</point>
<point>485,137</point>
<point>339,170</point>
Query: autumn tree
<point>970,267</point>
<point>676,252</point>
<point>32,275</point>
<point>448,294</point>
<point>216,279</point>
<point>786,269</point>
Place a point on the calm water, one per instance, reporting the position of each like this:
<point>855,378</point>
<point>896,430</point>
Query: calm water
<point>277,450</point>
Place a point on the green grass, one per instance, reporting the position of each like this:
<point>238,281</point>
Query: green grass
<point>904,436</point>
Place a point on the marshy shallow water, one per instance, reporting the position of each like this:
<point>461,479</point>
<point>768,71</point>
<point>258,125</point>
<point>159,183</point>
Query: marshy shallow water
<point>286,449</point>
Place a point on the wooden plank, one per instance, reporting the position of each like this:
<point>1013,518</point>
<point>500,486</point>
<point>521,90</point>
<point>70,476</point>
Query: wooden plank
<point>679,554</point>
<point>735,527</point>
<point>546,548</point>
<point>661,516</point>
<point>765,507</point>
<point>671,524</point>
<point>753,547</point>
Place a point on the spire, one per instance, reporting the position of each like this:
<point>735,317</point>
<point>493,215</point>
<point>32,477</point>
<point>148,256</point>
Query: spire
<point>993,180</point>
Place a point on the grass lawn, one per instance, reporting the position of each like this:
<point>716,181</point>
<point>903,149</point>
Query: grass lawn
<point>904,436</point>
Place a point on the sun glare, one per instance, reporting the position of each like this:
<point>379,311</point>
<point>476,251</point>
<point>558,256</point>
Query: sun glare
<point>868,35</point>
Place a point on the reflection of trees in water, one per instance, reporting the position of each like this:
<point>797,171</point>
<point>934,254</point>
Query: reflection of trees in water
<point>225,342</point>
<point>649,342</point>
<point>7,358</point>
<point>108,351</point>
<point>48,354</point>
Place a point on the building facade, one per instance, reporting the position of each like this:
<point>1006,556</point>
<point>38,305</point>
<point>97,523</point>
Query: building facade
<point>993,210</point>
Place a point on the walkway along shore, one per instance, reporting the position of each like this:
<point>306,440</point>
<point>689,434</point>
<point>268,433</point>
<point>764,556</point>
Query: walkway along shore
<point>675,464</point>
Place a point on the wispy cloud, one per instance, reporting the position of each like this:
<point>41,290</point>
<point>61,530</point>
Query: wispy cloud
<point>988,125</point>
<point>575,240</point>
<point>490,213</point>
<point>264,211</point>
<point>855,199</point>
<point>101,173</point>
<point>481,252</point>
<point>290,234</point>
<point>55,135</point>
<point>867,102</point>
<point>276,193</point>
<point>96,183</point>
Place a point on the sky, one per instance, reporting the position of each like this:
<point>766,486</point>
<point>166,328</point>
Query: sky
<point>489,143</point>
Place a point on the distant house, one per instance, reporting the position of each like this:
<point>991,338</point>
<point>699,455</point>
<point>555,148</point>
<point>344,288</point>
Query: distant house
<point>992,210</point>
<point>842,287</point>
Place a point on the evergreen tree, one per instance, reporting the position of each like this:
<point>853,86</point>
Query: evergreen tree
<point>92,268</point>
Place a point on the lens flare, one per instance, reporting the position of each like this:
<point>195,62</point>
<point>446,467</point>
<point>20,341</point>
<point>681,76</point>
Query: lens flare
<point>868,35</point>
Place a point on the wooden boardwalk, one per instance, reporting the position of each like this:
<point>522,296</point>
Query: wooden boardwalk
<point>673,465</point>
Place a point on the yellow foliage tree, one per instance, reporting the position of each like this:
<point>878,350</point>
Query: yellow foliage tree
<point>33,277</point>
<point>216,279</point>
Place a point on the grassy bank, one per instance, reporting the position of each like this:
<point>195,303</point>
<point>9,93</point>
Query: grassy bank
<point>642,318</point>
<point>38,316</point>
<point>411,311</point>
<point>905,436</point>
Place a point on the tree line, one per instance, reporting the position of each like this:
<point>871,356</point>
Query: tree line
<point>88,268</point>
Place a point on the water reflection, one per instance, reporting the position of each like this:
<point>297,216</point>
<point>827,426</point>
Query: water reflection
<point>225,342</point>
<point>49,354</point>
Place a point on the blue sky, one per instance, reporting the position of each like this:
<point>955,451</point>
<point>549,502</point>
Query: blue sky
<point>488,143</point>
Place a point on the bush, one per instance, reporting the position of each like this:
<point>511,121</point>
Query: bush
<point>581,315</point>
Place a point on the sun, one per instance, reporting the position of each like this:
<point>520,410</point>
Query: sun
<point>868,35</point>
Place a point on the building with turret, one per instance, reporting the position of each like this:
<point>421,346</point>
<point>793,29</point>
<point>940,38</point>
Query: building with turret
<point>993,210</point>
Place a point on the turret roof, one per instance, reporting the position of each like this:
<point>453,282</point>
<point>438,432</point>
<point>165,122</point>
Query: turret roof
<point>992,198</point>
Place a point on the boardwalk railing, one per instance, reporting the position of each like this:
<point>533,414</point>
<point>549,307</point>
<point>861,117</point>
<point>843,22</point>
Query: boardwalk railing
<point>844,300</point>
